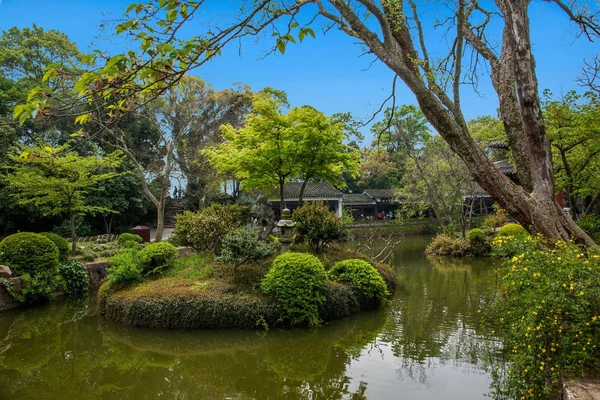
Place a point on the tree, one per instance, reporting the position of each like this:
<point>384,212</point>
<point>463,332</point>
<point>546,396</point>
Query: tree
<point>394,33</point>
<point>58,181</point>
<point>194,113</point>
<point>323,153</point>
<point>262,154</point>
<point>376,170</point>
<point>436,177</point>
<point>574,132</point>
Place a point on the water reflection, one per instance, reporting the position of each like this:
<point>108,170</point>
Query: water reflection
<point>428,342</point>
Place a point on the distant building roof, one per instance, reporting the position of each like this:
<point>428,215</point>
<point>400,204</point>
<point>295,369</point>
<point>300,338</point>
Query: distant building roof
<point>357,199</point>
<point>505,167</point>
<point>320,190</point>
<point>498,145</point>
<point>381,194</point>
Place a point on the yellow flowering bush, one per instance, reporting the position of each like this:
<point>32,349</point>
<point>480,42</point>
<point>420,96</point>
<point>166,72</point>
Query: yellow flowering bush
<point>548,317</point>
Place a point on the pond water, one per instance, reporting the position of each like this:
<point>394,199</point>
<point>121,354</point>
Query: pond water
<point>427,344</point>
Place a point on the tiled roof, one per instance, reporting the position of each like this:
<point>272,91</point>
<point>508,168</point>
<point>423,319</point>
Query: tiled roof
<point>381,193</point>
<point>357,199</point>
<point>505,167</point>
<point>498,145</point>
<point>291,190</point>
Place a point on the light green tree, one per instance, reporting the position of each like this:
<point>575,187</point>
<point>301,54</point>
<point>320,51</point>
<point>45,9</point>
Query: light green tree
<point>264,153</point>
<point>58,181</point>
<point>323,153</point>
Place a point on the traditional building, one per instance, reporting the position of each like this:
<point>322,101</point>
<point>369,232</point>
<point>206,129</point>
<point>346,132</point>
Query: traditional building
<point>314,191</point>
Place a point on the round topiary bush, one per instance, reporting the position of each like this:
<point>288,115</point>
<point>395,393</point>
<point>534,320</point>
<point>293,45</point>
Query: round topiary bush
<point>28,253</point>
<point>124,238</point>
<point>512,230</point>
<point>157,257</point>
<point>64,249</point>
<point>34,258</point>
<point>297,282</point>
<point>362,277</point>
<point>479,243</point>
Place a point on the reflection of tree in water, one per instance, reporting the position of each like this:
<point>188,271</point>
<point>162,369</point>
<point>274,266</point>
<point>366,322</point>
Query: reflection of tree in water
<point>435,316</point>
<point>71,354</point>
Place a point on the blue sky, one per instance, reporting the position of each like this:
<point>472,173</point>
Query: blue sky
<point>326,73</point>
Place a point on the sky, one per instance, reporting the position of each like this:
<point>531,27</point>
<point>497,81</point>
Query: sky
<point>328,72</point>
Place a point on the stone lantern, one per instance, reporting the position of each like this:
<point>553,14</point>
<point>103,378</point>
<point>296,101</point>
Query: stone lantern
<point>286,226</point>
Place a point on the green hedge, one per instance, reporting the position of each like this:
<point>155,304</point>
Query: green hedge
<point>64,249</point>
<point>157,257</point>
<point>362,277</point>
<point>124,238</point>
<point>296,281</point>
<point>445,245</point>
<point>34,258</point>
<point>512,230</point>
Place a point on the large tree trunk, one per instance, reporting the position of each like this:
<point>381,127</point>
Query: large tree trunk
<point>281,198</point>
<point>513,76</point>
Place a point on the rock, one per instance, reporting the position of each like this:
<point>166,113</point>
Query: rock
<point>5,272</point>
<point>185,251</point>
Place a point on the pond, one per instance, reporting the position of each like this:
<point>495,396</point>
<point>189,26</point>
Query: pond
<point>427,344</point>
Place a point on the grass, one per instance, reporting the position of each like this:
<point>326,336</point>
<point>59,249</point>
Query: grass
<point>198,266</point>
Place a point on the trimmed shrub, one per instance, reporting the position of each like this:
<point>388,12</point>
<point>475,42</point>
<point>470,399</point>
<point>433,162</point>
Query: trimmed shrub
<point>64,249</point>
<point>479,243</point>
<point>296,281</point>
<point>549,318</point>
<point>87,255</point>
<point>244,246</point>
<point>124,269</point>
<point>75,276</point>
<point>28,252</point>
<point>362,277</point>
<point>187,307</point>
<point>125,238</point>
<point>444,245</point>
<point>318,225</point>
<point>157,257</point>
<point>34,258</point>
<point>512,230</point>
<point>205,229</point>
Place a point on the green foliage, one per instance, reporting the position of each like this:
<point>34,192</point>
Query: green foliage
<point>509,246</point>
<point>491,222</point>
<point>157,257</point>
<point>296,281</point>
<point>61,243</point>
<point>34,258</point>
<point>160,304</point>
<point>478,242</point>
<point>57,181</point>
<point>124,269</point>
<point>198,266</point>
<point>129,237</point>
<point>361,276</point>
<point>318,226</point>
<point>444,245</point>
<point>206,228</point>
<point>512,229</point>
<point>591,225</point>
<point>28,252</point>
<point>272,147</point>
<point>76,278</point>
<point>244,246</point>
<point>549,318</point>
